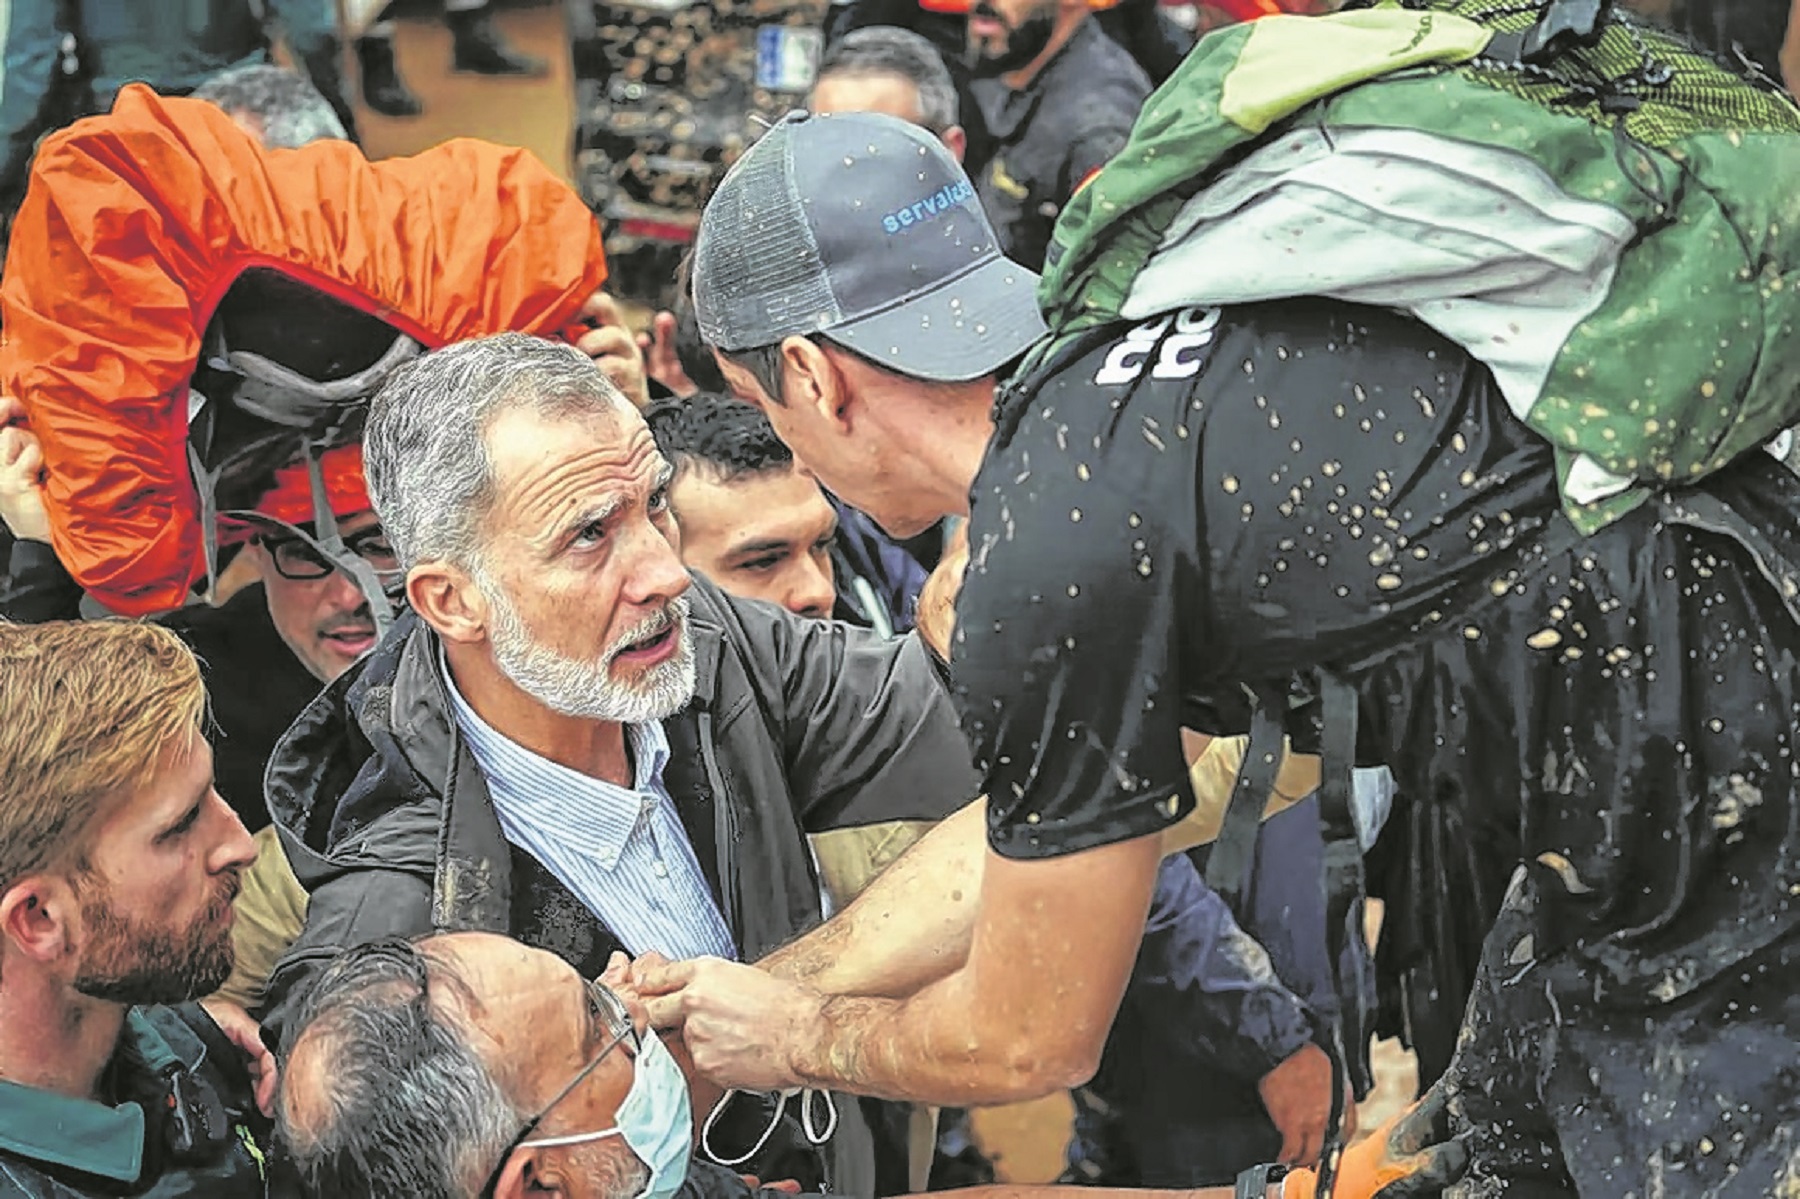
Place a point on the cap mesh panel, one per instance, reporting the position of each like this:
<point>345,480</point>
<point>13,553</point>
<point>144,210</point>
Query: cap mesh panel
<point>758,276</point>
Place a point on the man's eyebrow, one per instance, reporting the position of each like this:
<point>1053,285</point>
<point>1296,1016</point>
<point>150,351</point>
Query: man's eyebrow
<point>596,513</point>
<point>762,546</point>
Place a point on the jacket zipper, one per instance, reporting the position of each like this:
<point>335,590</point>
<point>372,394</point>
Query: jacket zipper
<point>725,827</point>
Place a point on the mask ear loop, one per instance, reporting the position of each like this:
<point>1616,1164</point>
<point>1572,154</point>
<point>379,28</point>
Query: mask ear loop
<point>718,1110</point>
<point>579,1138</point>
<point>807,1096</point>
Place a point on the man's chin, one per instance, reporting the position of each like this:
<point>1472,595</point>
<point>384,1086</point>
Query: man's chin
<point>904,527</point>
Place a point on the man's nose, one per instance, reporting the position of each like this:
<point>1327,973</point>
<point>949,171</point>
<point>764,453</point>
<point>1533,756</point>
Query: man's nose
<point>655,574</point>
<point>237,849</point>
<point>812,592</point>
<point>342,591</point>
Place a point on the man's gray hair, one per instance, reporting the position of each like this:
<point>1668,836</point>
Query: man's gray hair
<point>289,110</point>
<point>397,1102</point>
<point>890,50</point>
<point>425,449</point>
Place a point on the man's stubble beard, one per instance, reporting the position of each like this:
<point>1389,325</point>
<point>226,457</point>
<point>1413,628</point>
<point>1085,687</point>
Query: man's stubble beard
<point>1023,44</point>
<point>125,962</point>
<point>586,688</point>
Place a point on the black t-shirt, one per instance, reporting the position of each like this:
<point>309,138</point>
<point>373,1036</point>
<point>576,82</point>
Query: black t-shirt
<point>1212,501</point>
<point>1202,500</point>
<point>1209,501</point>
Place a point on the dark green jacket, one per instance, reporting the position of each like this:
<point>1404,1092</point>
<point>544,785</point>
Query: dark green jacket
<point>55,1147</point>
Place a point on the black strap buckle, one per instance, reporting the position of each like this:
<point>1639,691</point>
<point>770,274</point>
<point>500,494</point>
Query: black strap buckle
<point>1565,23</point>
<point>1255,1182</point>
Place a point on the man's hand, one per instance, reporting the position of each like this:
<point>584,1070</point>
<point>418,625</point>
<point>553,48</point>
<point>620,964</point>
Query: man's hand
<point>21,476</point>
<point>613,348</point>
<point>1297,1094</point>
<point>246,1034</point>
<point>660,358</point>
<point>1411,1156</point>
<point>618,977</point>
<point>739,1023</point>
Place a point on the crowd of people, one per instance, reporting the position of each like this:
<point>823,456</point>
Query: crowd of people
<point>456,743</point>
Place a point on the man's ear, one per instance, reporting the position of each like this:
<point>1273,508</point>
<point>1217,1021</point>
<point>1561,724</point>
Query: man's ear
<point>35,917</point>
<point>956,140</point>
<point>525,1176</point>
<point>810,379</point>
<point>446,598</point>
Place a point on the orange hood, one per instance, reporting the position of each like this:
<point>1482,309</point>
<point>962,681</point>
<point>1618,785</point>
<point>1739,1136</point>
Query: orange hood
<point>135,225</point>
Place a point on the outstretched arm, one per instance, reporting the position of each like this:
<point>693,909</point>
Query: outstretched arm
<point>1027,1013</point>
<point>911,927</point>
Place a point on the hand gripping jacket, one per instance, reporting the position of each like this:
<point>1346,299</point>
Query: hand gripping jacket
<point>135,226</point>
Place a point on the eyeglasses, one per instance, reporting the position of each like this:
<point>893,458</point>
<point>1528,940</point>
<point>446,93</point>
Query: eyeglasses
<point>610,1011</point>
<point>300,560</point>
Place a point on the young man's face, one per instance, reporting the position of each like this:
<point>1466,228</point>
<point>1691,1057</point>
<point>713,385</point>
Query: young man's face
<point>765,536</point>
<point>581,577</point>
<point>155,898</point>
<point>325,620</point>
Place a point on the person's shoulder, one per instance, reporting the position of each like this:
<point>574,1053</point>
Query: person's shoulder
<point>1109,72</point>
<point>1144,368</point>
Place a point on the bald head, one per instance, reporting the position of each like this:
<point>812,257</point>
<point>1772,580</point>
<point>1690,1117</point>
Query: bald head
<point>415,1066</point>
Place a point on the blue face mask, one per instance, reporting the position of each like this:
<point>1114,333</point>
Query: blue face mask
<point>656,1121</point>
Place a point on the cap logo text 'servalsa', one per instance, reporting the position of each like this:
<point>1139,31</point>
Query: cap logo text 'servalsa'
<point>949,196</point>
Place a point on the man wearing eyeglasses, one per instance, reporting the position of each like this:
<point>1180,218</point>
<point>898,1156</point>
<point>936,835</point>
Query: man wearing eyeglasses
<point>268,649</point>
<point>468,1065</point>
<point>538,1079</point>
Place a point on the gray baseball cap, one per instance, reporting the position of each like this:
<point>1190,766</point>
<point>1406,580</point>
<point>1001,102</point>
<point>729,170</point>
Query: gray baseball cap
<point>861,227</point>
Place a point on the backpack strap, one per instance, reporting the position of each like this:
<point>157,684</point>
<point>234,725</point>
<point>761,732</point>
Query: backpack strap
<point>1228,864</point>
<point>206,486</point>
<point>329,539</point>
<point>1563,25</point>
<point>1343,883</point>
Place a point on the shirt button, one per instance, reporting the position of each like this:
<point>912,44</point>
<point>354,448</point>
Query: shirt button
<point>662,871</point>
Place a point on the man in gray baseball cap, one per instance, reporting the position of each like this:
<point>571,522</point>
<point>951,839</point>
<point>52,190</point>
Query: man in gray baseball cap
<point>1151,511</point>
<point>850,283</point>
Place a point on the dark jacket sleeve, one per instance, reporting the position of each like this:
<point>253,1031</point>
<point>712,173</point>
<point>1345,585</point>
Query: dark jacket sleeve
<point>1199,973</point>
<point>36,588</point>
<point>867,732</point>
<point>352,909</point>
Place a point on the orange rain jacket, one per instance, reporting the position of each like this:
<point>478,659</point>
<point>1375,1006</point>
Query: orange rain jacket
<point>135,225</point>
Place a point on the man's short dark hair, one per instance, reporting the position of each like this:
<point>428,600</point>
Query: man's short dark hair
<point>727,438</point>
<point>890,50</point>
<point>289,109</point>
<point>399,1104</point>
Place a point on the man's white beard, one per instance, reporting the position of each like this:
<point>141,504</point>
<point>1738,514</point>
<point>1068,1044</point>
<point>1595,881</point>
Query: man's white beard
<point>575,687</point>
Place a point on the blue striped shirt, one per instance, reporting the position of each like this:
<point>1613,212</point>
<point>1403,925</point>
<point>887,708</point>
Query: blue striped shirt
<point>622,853</point>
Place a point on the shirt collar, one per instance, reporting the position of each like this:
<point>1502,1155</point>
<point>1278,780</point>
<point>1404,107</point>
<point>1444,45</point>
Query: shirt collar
<point>83,1134</point>
<point>495,753</point>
